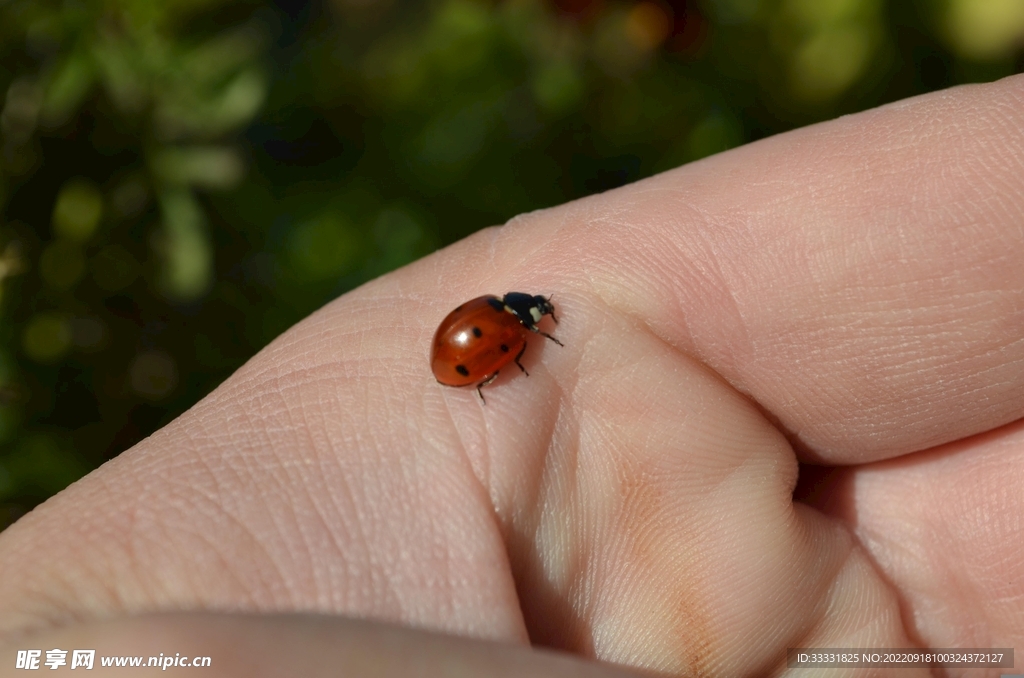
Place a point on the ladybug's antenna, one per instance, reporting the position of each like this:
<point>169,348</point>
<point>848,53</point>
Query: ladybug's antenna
<point>551,312</point>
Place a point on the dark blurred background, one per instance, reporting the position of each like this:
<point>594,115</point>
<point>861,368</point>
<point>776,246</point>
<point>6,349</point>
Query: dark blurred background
<point>182,180</point>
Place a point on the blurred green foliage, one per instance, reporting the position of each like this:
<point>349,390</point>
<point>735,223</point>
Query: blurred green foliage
<point>184,179</point>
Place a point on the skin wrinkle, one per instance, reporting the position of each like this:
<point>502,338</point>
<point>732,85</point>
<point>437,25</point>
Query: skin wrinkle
<point>321,570</point>
<point>480,490</point>
<point>566,544</point>
<point>556,492</point>
<point>644,524</point>
<point>347,532</point>
<point>377,594</point>
<point>225,515</point>
<point>300,520</point>
<point>479,464</point>
<point>442,580</point>
<point>702,267</point>
<point>668,244</point>
<point>947,578</point>
<point>741,340</point>
<point>164,588</point>
<point>930,567</point>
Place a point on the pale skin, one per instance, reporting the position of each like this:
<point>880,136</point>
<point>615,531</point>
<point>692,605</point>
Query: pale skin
<point>849,295</point>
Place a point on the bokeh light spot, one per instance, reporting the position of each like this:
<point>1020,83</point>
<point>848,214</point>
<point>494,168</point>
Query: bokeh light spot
<point>323,247</point>
<point>457,40</point>
<point>829,62</point>
<point>557,86</point>
<point>817,13</point>
<point>614,49</point>
<point>46,337</point>
<point>11,261</point>
<point>985,29</point>
<point>77,211</point>
<point>647,25</point>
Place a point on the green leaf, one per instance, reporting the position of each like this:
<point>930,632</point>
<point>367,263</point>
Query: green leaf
<point>118,69</point>
<point>185,245</point>
<point>219,57</point>
<point>67,89</point>
<point>215,167</point>
<point>185,110</point>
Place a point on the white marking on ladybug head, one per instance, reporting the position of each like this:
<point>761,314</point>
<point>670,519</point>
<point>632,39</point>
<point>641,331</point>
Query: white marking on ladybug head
<point>536,314</point>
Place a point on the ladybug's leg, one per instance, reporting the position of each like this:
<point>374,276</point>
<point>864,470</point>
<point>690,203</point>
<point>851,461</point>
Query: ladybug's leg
<point>536,330</point>
<point>484,383</point>
<point>551,338</point>
<point>521,352</point>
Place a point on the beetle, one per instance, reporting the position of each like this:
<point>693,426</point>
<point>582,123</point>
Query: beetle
<point>483,335</point>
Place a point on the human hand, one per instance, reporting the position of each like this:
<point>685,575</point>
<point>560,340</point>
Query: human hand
<point>848,295</point>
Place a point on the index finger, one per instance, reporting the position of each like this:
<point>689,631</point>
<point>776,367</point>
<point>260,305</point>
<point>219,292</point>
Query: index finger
<point>864,286</point>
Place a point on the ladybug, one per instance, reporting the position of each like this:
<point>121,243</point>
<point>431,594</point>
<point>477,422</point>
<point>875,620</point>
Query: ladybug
<point>481,336</point>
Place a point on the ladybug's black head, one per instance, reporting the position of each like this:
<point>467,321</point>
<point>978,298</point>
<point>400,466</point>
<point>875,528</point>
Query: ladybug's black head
<point>528,308</point>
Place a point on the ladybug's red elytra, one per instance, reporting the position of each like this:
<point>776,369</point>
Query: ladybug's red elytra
<point>481,336</point>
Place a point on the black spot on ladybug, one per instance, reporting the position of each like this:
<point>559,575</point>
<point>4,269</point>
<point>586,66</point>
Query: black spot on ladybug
<point>461,369</point>
<point>497,304</point>
<point>459,308</point>
<point>504,348</point>
<point>477,333</point>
